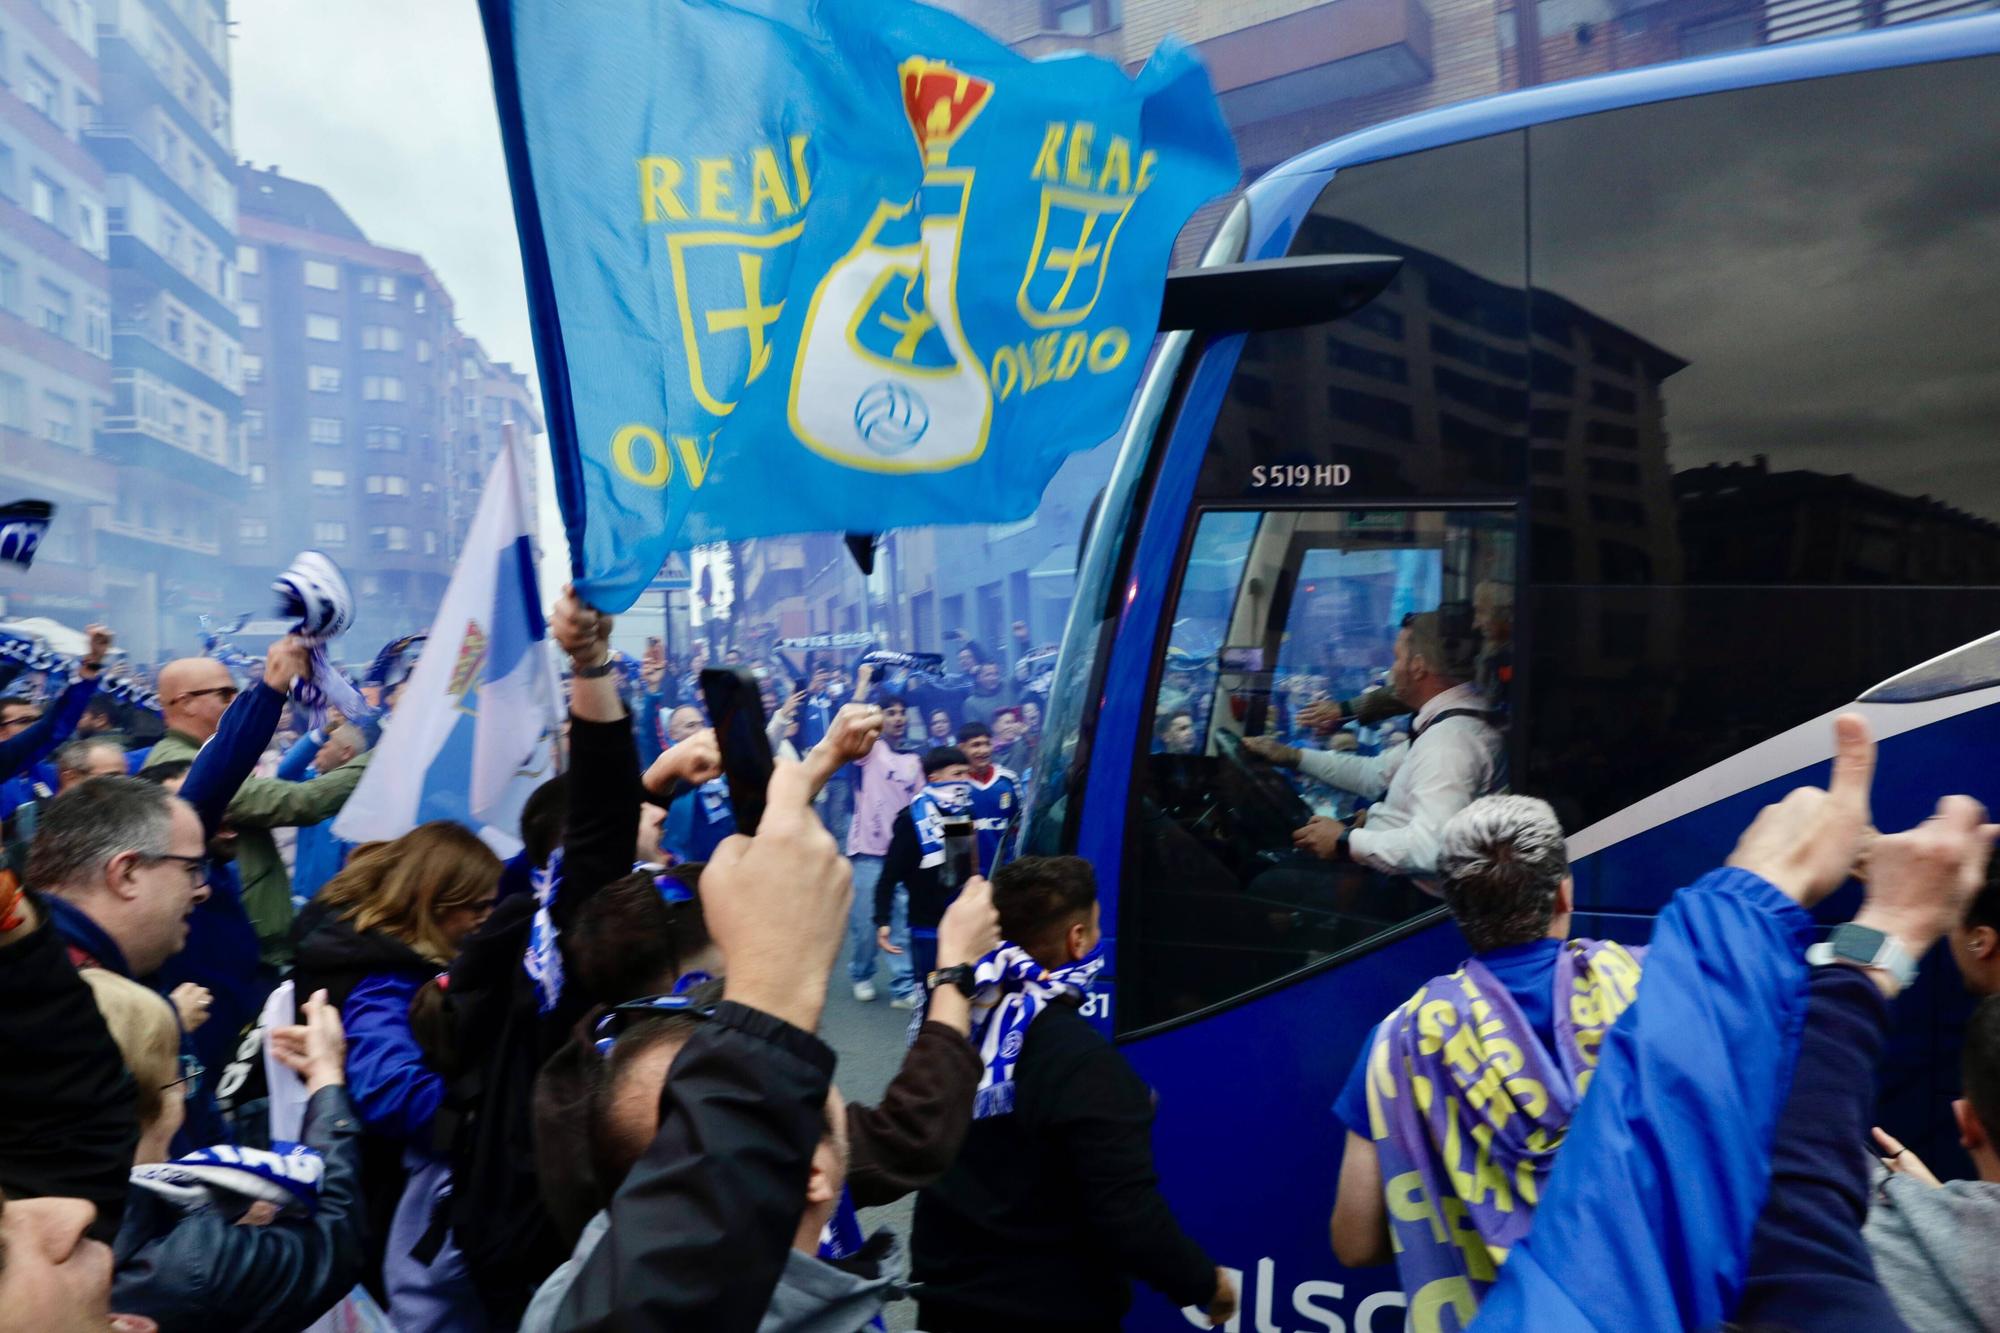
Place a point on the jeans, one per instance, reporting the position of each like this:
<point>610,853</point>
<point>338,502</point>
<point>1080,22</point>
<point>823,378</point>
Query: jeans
<point>862,949</point>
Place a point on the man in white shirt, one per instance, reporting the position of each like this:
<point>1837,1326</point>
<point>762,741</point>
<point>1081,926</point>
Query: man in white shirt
<point>1453,758</point>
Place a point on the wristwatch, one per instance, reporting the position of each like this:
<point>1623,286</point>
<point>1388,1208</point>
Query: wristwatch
<point>1863,946</point>
<point>599,671</point>
<point>959,976</point>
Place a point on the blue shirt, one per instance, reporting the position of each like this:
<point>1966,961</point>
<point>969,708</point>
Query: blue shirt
<point>1528,971</point>
<point>697,823</point>
<point>995,807</point>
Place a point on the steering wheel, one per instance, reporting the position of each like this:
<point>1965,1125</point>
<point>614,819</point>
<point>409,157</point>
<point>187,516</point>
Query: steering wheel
<point>1262,781</point>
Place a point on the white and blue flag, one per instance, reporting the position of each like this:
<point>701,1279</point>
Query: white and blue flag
<point>469,739</point>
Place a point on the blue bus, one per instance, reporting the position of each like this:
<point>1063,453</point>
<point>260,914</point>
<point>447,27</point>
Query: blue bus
<point>1685,382</point>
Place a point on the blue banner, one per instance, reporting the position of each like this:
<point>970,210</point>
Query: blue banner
<point>804,266</point>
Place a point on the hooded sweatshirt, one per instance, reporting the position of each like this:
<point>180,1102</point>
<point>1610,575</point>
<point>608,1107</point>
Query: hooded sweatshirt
<point>1933,1248</point>
<point>812,1295</point>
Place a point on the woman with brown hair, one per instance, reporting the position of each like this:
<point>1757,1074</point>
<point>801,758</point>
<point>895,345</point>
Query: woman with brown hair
<point>378,934</point>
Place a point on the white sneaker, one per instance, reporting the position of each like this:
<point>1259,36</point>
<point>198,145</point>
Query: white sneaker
<point>904,1001</point>
<point>864,991</point>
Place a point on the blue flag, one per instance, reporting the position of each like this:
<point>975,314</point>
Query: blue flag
<point>804,266</point>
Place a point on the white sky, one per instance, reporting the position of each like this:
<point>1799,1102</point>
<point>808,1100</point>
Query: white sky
<point>388,105</point>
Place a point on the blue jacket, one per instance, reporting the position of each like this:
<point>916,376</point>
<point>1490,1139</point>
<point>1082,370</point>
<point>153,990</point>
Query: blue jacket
<point>1647,1218</point>
<point>55,726</point>
<point>90,946</point>
<point>317,855</point>
<point>397,1094</point>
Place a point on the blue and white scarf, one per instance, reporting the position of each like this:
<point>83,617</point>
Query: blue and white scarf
<point>1010,991</point>
<point>315,591</point>
<point>928,664</point>
<point>936,803</point>
<point>288,1176</point>
<point>59,667</point>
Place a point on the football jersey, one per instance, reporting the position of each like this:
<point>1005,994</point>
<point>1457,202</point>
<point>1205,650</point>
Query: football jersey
<point>996,805</point>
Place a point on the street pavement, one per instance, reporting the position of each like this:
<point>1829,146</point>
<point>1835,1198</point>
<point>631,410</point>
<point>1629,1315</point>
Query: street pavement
<point>870,1040</point>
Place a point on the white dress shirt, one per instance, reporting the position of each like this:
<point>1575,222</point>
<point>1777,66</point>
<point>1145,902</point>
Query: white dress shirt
<point>1421,785</point>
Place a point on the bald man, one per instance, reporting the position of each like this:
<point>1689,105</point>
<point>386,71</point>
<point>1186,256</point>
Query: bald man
<point>194,694</point>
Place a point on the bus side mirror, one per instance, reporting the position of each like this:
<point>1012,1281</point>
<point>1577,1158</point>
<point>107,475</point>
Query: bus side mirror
<point>1274,293</point>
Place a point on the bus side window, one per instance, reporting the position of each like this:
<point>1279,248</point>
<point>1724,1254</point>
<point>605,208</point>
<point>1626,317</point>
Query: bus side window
<point>1280,615</point>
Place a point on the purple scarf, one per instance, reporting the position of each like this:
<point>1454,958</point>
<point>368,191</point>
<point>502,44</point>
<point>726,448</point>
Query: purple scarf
<point>1467,1108</point>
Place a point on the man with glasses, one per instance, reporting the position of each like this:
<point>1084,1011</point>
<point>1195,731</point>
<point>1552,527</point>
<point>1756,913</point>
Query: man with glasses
<point>194,694</point>
<point>122,865</point>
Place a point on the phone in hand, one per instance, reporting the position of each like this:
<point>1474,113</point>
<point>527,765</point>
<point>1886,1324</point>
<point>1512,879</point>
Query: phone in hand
<point>961,853</point>
<point>736,709</point>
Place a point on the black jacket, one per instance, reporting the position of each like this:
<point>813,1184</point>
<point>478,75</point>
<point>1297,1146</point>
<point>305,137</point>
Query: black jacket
<point>1809,1265</point>
<point>199,1272</point>
<point>69,1115</point>
<point>331,955</point>
<point>702,1226</point>
<point>904,865</point>
<point>1051,1208</point>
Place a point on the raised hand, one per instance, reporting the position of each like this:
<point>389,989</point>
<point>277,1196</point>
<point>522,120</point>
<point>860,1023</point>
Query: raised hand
<point>776,904</point>
<point>970,927</point>
<point>100,647</point>
<point>1920,881</point>
<point>581,631</point>
<point>191,1002</point>
<point>1806,844</point>
<point>285,662</point>
<point>694,761</point>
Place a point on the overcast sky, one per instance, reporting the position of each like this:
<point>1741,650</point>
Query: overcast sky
<point>388,104</point>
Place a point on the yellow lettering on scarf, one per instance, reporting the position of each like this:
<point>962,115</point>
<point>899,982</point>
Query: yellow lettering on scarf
<point>1583,1077</point>
<point>1487,1174</point>
<point>1489,1094</point>
<point>1478,1260</point>
<point>1433,1017</point>
<point>1530,1097</point>
<point>1420,1092</point>
<point>1381,1087</point>
<point>1427,1307</point>
<point>1461,1050</point>
<point>1408,1203</point>
<point>1524,1182</point>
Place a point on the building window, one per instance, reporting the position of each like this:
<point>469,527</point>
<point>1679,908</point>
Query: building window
<point>253,423</point>
<point>382,388</point>
<point>323,328</point>
<point>250,315</point>
<point>13,402</point>
<point>249,259</point>
<point>417,300</point>
<point>493,411</point>
<point>387,483</point>
<point>258,474</point>
<point>330,534</point>
<point>430,542</point>
<point>10,286</point>
<point>322,275</point>
<point>97,328</point>
<point>324,430</point>
<point>46,199</point>
<point>59,419</point>
<point>386,437</point>
<point>253,530</point>
<point>58,311</point>
<point>323,379</point>
<point>394,537</point>
<point>423,351</point>
<point>329,479</point>
<point>381,338</point>
<point>381,286</point>
<point>253,368</point>
<point>40,90</point>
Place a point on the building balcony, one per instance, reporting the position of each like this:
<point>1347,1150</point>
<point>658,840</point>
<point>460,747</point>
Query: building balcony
<point>119,151</point>
<point>1327,53</point>
<point>119,542</point>
<point>134,349</point>
<point>130,442</point>
<point>132,257</point>
<point>128,71</point>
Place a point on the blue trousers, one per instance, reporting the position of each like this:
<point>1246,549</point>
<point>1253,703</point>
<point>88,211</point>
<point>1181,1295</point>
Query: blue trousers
<point>862,950</point>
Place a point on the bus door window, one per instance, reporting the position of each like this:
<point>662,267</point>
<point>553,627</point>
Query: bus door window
<point>1278,611</point>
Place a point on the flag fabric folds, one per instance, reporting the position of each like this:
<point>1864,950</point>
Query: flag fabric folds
<point>469,738</point>
<point>809,266</point>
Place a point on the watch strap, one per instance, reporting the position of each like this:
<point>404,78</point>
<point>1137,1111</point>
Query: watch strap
<point>1863,946</point>
<point>599,671</point>
<point>960,976</point>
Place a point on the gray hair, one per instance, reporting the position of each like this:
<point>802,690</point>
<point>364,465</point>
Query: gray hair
<point>1501,861</point>
<point>74,756</point>
<point>86,826</point>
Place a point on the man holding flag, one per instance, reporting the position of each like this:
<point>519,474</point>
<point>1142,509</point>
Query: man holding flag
<point>469,738</point>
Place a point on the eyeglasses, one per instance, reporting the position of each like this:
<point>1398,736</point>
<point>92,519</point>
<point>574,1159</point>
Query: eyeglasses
<point>196,866</point>
<point>191,1072</point>
<point>619,1017</point>
<point>226,693</point>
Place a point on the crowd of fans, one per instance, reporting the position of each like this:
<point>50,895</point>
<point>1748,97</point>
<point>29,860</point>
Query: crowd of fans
<point>252,1078</point>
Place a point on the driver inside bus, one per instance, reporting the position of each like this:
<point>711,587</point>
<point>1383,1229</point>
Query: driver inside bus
<point>1454,756</point>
